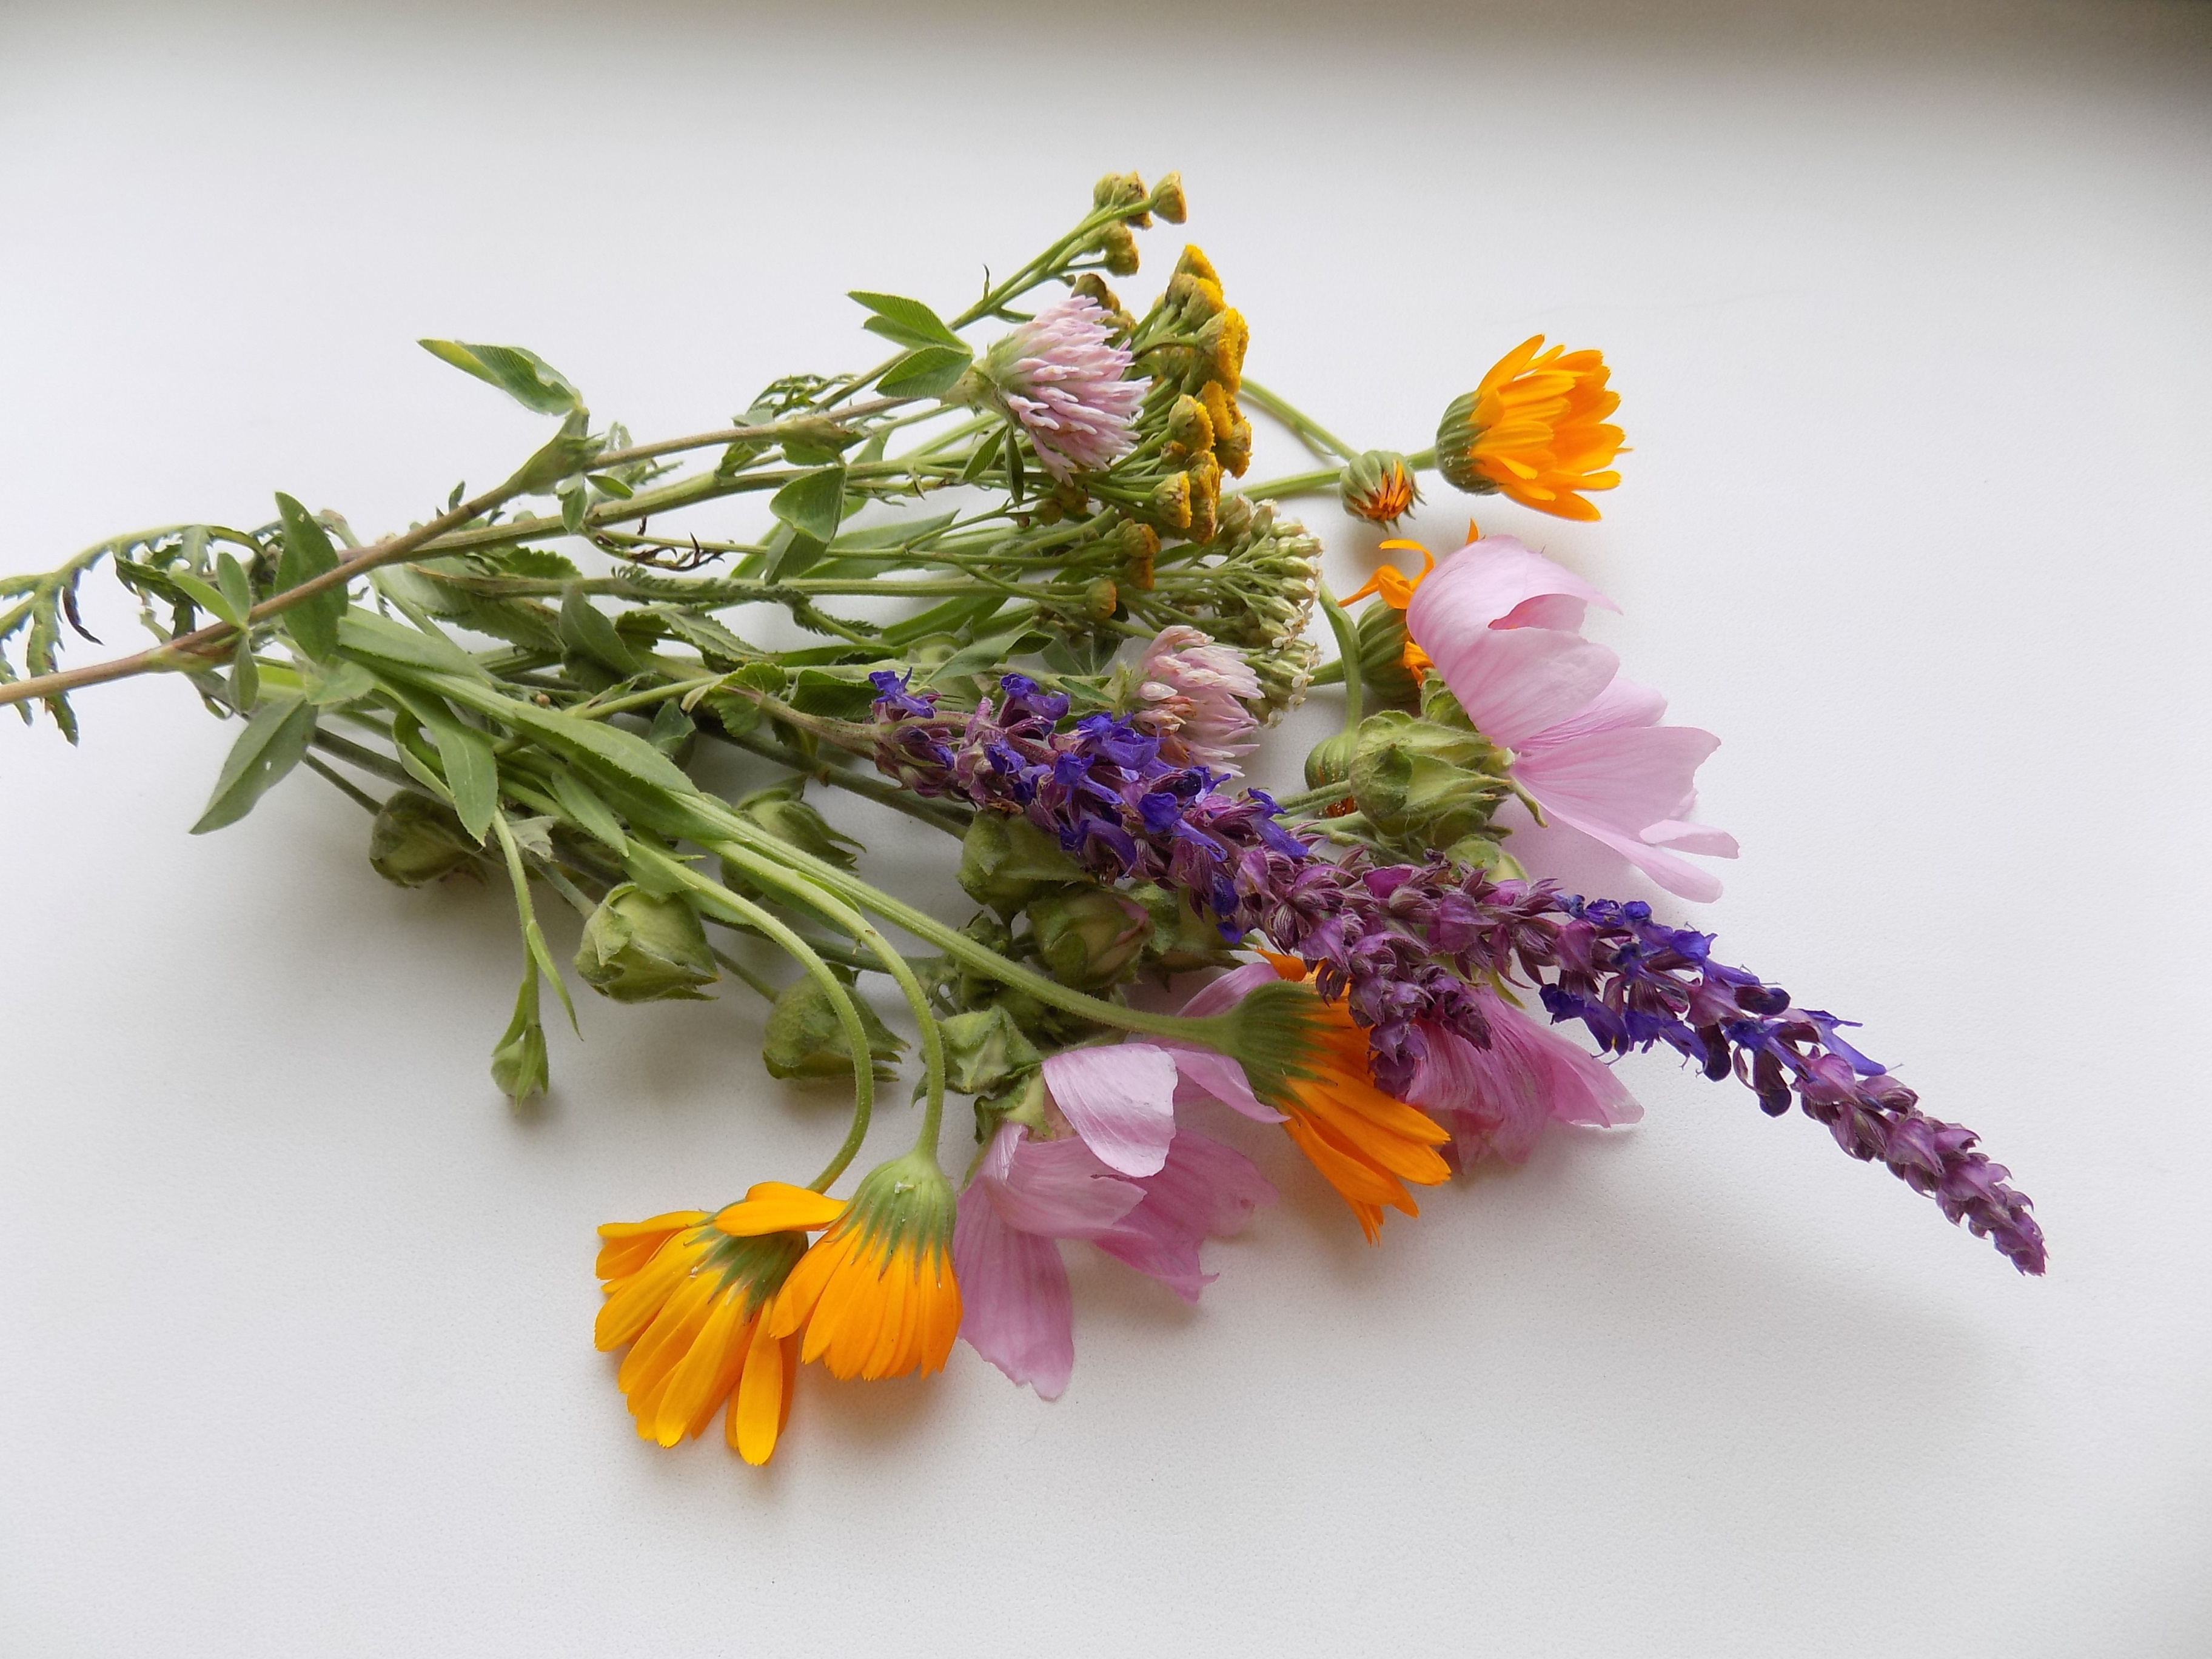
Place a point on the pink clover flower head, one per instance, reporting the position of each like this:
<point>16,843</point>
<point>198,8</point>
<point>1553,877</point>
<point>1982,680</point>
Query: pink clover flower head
<point>1029,1193</point>
<point>1496,1101</point>
<point>1503,625</point>
<point>1063,380</point>
<point>1195,695</point>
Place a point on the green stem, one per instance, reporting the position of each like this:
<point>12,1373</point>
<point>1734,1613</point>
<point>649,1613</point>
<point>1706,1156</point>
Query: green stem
<point>1347,654</point>
<point>1316,436</point>
<point>712,896</point>
<point>1316,482</point>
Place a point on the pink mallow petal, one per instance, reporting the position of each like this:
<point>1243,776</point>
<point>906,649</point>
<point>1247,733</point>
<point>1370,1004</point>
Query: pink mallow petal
<point>1055,1187</point>
<point>1120,1099</point>
<point>1515,682</point>
<point>1489,581</point>
<point>1682,838</point>
<point>1497,1100</point>
<point>1014,1309</point>
<point>1612,785</point>
<point>1622,705</point>
<point>1207,1190</point>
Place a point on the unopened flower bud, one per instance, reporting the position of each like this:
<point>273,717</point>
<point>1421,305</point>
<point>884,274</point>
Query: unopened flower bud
<point>985,1050</point>
<point>1124,190</point>
<point>1284,673</point>
<point>416,840</point>
<point>1195,263</point>
<point>1194,300</point>
<point>1088,937</point>
<point>1378,487</point>
<point>1117,249</point>
<point>1102,599</point>
<point>1329,760</point>
<point>1232,433</point>
<point>1233,517</point>
<point>1425,781</point>
<point>1171,502</point>
<point>1189,429</point>
<point>1167,200</point>
<point>641,947</point>
<point>1006,861</point>
<point>805,1038</point>
<point>1139,544</point>
<point>1384,670</point>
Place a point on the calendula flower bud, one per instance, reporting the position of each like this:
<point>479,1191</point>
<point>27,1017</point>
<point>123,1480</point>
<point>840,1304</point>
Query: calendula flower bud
<point>1087,936</point>
<point>1167,200</point>
<point>805,1037</point>
<point>1117,249</point>
<point>1386,669</point>
<point>641,947</point>
<point>1006,861</point>
<point>1329,760</point>
<point>1378,486</point>
<point>415,841</point>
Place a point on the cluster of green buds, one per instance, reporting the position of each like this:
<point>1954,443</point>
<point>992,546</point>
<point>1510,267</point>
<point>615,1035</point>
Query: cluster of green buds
<point>1113,243</point>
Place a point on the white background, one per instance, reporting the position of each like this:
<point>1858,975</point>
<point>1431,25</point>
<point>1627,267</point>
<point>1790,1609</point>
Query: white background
<point>1909,305</point>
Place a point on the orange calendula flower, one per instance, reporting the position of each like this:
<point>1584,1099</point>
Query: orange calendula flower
<point>1535,429</point>
<point>691,1302</point>
<point>875,1296</point>
<point>1367,1144</point>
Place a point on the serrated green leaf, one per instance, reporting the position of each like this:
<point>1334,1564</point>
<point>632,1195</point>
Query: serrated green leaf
<point>590,632</point>
<point>672,730</point>
<point>706,636</point>
<point>592,814</point>
<point>365,634</point>
<point>313,623</point>
<point>930,372</point>
<point>813,503</point>
<point>341,682</point>
<point>538,563</point>
<point>521,374</point>
<point>909,322</point>
<point>269,747</point>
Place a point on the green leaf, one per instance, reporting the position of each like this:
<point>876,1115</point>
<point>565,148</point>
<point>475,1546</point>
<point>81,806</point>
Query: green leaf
<point>982,655</point>
<point>465,754</point>
<point>537,563</point>
<point>672,730</point>
<point>930,372</point>
<point>230,576</point>
<point>909,322</point>
<point>706,636</point>
<point>607,484</point>
<point>813,503</point>
<point>568,452</point>
<point>533,835</point>
<point>521,374</point>
<point>209,599</point>
<point>573,503</point>
<point>313,623</point>
<point>593,816</point>
<point>980,462</point>
<point>244,675</point>
<point>624,752</point>
<point>728,703</point>
<point>365,634</point>
<point>342,683</point>
<point>269,747</point>
<point>836,695</point>
<point>590,632</point>
<point>895,533</point>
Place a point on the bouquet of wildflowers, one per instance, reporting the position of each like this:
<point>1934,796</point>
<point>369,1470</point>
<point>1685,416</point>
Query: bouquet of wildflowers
<point>1097,618</point>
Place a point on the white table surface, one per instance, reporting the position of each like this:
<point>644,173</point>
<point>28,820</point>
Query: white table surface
<point>1909,306</point>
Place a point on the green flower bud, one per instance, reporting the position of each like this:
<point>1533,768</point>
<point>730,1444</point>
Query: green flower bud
<point>1382,671</point>
<point>1329,760</point>
<point>805,1038</point>
<point>1182,941</point>
<point>1102,599</point>
<point>1006,861</point>
<point>985,1050</point>
<point>1168,201</point>
<point>416,840</point>
<point>779,812</point>
<point>1378,487</point>
<point>1123,190</point>
<point>1420,782</point>
<point>640,947</point>
<point>1088,937</point>
<point>1117,249</point>
<point>1284,674</point>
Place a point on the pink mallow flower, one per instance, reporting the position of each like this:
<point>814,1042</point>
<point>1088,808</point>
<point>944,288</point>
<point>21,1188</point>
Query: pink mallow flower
<point>1061,378</point>
<point>1195,696</point>
<point>1496,1101</point>
<point>1503,625</point>
<point>1128,1179</point>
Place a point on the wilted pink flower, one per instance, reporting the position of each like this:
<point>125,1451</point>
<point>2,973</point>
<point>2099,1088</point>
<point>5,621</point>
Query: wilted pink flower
<point>1497,1100</point>
<point>1128,1180</point>
<point>1059,376</point>
<point>1503,626</point>
<point>1193,695</point>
